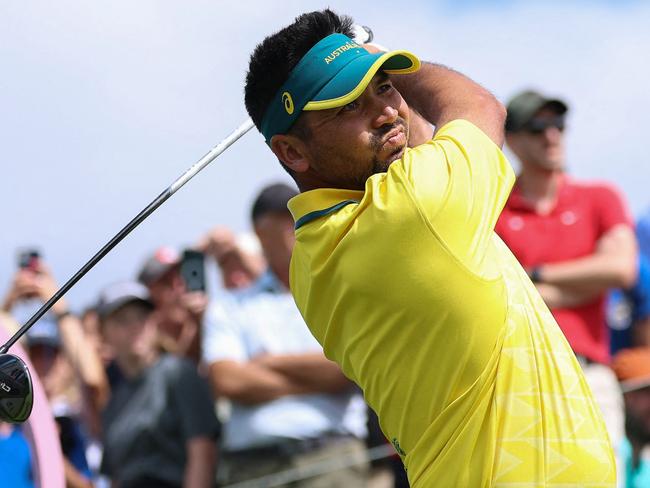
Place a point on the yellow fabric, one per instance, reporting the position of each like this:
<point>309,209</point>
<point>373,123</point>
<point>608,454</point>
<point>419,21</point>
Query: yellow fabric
<point>424,307</point>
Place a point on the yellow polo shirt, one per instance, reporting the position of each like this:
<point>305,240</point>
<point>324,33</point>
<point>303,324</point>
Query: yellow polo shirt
<point>407,287</point>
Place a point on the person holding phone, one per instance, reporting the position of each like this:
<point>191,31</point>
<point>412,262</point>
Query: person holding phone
<point>176,283</point>
<point>160,428</point>
<point>69,369</point>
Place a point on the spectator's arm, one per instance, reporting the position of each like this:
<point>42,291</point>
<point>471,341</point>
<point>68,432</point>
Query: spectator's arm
<point>23,285</point>
<point>612,265</point>
<point>77,348</point>
<point>442,95</point>
<point>73,478</point>
<point>313,370</point>
<point>251,383</point>
<point>195,302</point>
<point>85,360</point>
<point>558,296</point>
<point>200,470</point>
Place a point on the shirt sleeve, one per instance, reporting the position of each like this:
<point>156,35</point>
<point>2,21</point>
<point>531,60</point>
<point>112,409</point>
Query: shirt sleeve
<point>612,208</point>
<point>191,396</point>
<point>222,335</point>
<point>461,181</point>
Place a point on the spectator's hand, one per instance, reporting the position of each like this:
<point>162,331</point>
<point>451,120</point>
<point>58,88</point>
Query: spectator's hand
<point>22,287</point>
<point>218,242</point>
<point>195,302</point>
<point>46,287</point>
<point>263,360</point>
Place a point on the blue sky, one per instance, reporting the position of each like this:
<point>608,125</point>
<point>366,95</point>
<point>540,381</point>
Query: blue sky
<point>103,104</point>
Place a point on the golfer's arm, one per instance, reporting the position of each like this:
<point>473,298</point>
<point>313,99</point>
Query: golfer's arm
<point>420,130</point>
<point>200,469</point>
<point>313,370</point>
<point>442,95</point>
<point>251,383</point>
<point>613,264</point>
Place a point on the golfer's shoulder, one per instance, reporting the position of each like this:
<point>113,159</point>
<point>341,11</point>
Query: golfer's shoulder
<point>461,135</point>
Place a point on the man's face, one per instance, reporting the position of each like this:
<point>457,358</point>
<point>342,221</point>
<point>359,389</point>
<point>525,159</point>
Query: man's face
<point>348,144</point>
<point>43,358</point>
<point>166,291</point>
<point>540,144</point>
<point>129,332</point>
<point>239,269</point>
<point>277,237</point>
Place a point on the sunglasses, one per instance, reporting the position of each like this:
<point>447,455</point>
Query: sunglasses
<point>538,126</point>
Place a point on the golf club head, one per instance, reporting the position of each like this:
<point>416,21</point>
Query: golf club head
<point>16,393</point>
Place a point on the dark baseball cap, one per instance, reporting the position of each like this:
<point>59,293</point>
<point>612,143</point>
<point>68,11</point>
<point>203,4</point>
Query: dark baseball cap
<point>161,261</point>
<point>272,199</point>
<point>526,104</point>
<point>119,294</point>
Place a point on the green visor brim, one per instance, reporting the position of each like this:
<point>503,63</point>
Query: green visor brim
<point>351,81</point>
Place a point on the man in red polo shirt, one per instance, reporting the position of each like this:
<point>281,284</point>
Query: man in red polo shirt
<point>575,239</point>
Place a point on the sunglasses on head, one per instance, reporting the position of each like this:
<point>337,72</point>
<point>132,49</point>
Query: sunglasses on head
<point>538,126</point>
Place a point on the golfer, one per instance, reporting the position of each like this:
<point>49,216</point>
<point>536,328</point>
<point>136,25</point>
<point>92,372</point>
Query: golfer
<point>399,274</point>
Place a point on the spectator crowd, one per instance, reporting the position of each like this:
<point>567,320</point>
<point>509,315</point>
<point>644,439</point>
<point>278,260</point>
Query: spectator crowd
<point>162,382</point>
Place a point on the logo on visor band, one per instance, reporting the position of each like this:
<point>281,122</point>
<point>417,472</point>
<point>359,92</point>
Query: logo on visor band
<point>339,50</point>
<point>288,102</point>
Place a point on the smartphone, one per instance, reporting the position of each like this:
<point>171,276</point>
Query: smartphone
<point>28,259</point>
<point>193,270</point>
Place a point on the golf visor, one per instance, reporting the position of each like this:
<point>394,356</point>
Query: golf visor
<point>333,73</point>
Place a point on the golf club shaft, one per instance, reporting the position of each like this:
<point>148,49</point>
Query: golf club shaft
<point>148,210</point>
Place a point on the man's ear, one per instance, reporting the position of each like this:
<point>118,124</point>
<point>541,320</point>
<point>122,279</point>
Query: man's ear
<point>291,151</point>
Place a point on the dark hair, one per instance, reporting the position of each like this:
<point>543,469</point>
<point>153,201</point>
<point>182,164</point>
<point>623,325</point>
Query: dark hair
<point>273,59</point>
<point>273,199</point>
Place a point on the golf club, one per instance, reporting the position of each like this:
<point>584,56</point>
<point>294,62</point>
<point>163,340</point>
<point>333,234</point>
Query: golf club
<point>16,394</point>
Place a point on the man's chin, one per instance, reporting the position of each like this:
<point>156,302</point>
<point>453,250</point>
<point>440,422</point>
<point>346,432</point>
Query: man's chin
<point>381,165</point>
<point>396,155</point>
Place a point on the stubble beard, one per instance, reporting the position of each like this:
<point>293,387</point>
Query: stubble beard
<point>376,143</point>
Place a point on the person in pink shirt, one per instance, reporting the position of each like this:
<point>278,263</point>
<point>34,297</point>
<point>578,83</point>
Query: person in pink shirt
<point>40,430</point>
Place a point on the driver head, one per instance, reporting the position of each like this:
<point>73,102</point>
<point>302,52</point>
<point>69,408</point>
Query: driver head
<point>16,394</point>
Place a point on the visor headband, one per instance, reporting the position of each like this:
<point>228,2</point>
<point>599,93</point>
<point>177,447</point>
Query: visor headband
<point>316,68</point>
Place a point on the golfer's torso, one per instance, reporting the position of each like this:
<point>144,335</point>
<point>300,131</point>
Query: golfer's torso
<point>407,287</point>
<point>407,321</point>
<point>472,379</point>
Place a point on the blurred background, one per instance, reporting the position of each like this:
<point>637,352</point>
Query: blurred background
<point>105,103</point>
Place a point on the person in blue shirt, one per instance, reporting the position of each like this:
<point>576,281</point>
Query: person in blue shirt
<point>628,311</point>
<point>15,457</point>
